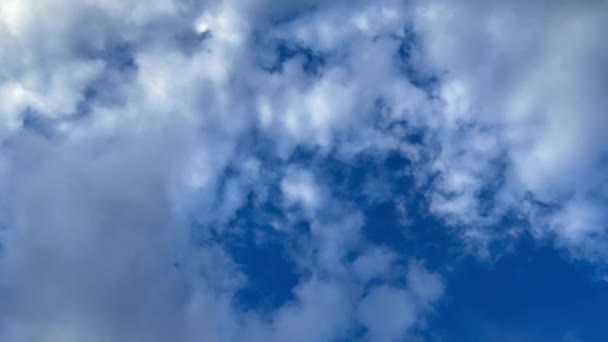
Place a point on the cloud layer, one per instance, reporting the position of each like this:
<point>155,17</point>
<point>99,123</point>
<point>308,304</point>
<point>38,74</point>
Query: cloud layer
<point>144,143</point>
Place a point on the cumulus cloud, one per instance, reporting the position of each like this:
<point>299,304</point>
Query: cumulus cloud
<point>521,113</point>
<point>125,129</point>
<point>134,134</point>
<point>389,313</point>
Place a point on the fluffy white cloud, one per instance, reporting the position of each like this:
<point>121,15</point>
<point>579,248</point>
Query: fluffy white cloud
<point>44,48</point>
<point>100,201</point>
<point>123,124</point>
<point>521,110</point>
<point>388,312</point>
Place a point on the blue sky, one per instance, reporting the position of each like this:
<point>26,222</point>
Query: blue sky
<point>302,171</point>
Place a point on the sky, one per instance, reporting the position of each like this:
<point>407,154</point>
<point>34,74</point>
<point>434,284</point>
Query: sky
<point>305,170</point>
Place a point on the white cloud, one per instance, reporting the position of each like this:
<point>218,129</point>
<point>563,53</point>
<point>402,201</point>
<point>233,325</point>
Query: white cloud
<point>299,187</point>
<point>523,79</point>
<point>97,245</point>
<point>98,241</point>
<point>374,263</point>
<point>389,313</point>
